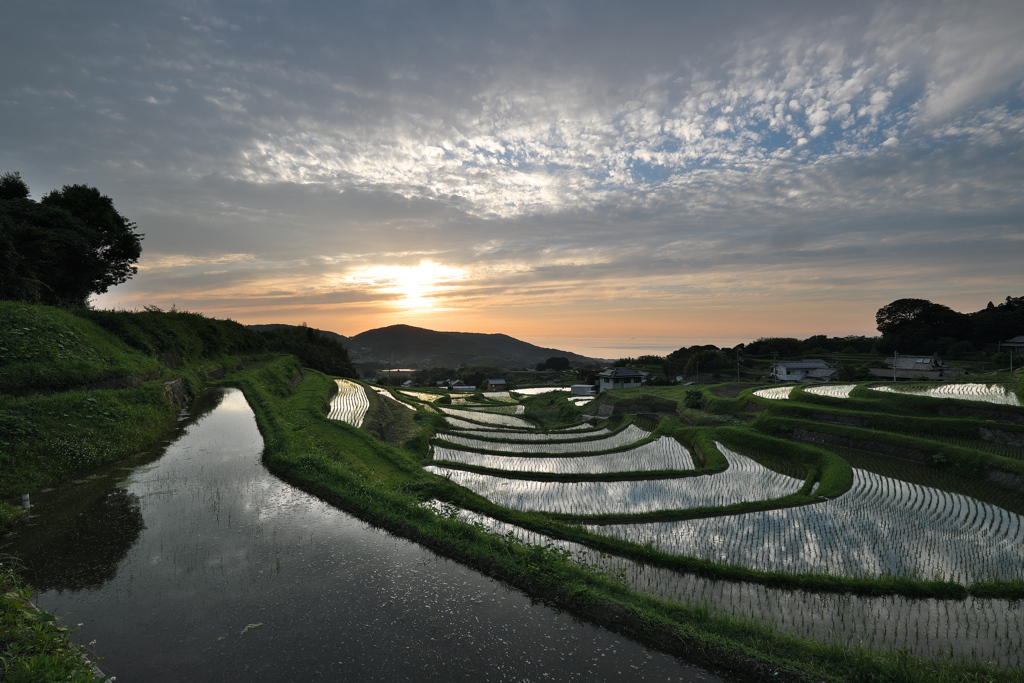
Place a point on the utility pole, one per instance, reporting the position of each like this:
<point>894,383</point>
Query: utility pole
<point>895,362</point>
<point>775,362</point>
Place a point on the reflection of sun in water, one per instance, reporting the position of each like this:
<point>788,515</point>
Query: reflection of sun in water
<point>416,284</point>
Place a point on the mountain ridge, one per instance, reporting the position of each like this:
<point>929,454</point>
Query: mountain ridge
<point>404,345</point>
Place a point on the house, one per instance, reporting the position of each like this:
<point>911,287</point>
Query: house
<point>496,385</point>
<point>1016,343</point>
<point>618,378</point>
<point>806,370</point>
<point>917,367</point>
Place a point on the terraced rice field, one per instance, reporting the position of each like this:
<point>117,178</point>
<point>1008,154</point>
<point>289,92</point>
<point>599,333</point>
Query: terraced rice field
<point>831,390</point>
<point>973,629</point>
<point>498,396</point>
<point>533,391</point>
<point>502,410</point>
<point>630,434</point>
<point>775,393</point>
<point>744,481</point>
<point>514,437</point>
<point>664,453</point>
<point>497,420</point>
<point>349,404</point>
<point>988,393</point>
<point>387,394</point>
<point>881,527</point>
<point>421,396</point>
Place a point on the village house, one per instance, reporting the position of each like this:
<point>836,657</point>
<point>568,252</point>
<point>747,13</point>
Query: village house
<point>618,378</point>
<point>806,370</point>
<point>917,367</point>
<point>496,385</point>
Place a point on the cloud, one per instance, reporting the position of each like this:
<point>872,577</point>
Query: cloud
<point>560,153</point>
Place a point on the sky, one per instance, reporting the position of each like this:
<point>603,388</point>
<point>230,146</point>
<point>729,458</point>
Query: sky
<point>627,174</point>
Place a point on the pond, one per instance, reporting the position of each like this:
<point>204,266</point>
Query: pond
<point>197,564</point>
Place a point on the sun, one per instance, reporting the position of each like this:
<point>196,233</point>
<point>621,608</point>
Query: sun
<point>417,285</point>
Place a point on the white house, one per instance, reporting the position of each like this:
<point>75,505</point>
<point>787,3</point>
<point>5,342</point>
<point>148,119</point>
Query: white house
<point>618,378</point>
<point>806,370</point>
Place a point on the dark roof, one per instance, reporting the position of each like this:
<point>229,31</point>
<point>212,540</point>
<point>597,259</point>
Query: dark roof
<point>805,364</point>
<point>1019,339</point>
<point>619,373</point>
<point>915,363</point>
<point>496,381</point>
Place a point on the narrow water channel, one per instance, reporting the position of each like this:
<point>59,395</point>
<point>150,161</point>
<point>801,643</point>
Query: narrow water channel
<point>199,565</point>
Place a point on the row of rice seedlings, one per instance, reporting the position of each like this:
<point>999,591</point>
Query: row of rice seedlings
<point>831,390</point>
<point>630,434</point>
<point>387,394</point>
<point>744,481</point>
<point>512,436</point>
<point>498,396</point>
<point>664,453</point>
<point>497,410</point>
<point>487,418</point>
<point>349,404</point>
<point>972,629</point>
<point>421,396</point>
<point>533,391</point>
<point>989,393</point>
<point>775,393</point>
<point>881,527</point>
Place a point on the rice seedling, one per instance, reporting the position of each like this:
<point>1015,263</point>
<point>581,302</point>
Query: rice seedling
<point>533,391</point>
<point>349,404</point>
<point>486,418</point>
<point>881,527</point>
<point>631,434</point>
<point>421,396</point>
<point>664,453</point>
<point>988,393</point>
<point>514,436</point>
<point>973,628</point>
<point>831,390</point>
<point>775,393</point>
<point>387,394</point>
<point>744,481</point>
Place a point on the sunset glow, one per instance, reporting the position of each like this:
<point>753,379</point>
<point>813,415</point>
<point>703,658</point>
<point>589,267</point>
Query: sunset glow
<point>558,170</point>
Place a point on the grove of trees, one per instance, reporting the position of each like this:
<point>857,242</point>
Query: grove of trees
<point>66,247</point>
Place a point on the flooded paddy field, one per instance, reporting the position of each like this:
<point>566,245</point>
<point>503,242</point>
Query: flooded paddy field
<point>198,565</point>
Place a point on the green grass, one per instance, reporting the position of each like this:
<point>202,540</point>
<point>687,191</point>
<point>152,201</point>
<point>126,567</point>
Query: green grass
<point>43,348</point>
<point>34,647</point>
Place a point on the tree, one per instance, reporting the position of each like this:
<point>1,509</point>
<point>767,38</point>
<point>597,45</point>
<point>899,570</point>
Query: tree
<point>12,186</point>
<point>65,248</point>
<point>919,324</point>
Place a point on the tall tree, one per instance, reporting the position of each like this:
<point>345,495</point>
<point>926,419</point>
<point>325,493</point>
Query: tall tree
<point>62,250</point>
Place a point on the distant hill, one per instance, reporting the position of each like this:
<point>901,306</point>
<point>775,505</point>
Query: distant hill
<point>407,346</point>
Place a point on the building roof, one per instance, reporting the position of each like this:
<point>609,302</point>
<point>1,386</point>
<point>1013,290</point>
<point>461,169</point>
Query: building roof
<point>915,363</point>
<point>805,364</point>
<point>496,381</point>
<point>619,373</point>
<point>1019,339</point>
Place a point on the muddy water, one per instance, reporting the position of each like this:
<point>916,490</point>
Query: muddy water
<point>198,565</point>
